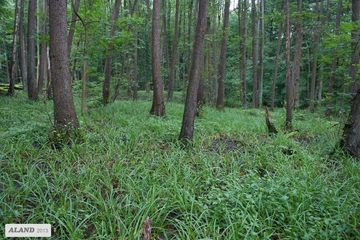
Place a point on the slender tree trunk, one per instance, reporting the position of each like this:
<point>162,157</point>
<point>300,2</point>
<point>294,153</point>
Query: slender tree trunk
<point>297,55</point>
<point>254,53</point>
<point>43,49</point>
<point>135,83</point>
<point>334,61</point>
<point>276,66</point>
<point>289,83</point>
<point>314,65</point>
<point>261,54</point>
<point>108,61</point>
<point>158,106</point>
<point>243,52</point>
<point>215,56</point>
<point>14,51</point>
<point>187,127</point>
<point>75,8</point>
<point>355,7</point>
<point>221,89</point>
<point>32,91</point>
<point>65,119</point>
<point>22,47</point>
<point>174,54</point>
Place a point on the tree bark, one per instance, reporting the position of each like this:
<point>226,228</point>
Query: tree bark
<point>174,54</point>
<point>243,53</point>
<point>334,61</point>
<point>187,127</point>
<point>355,7</point>
<point>276,66</point>
<point>350,141</point>
<point>158,106</point>
<point>222,72</point>
<point>31,79</point>
<point>65,119</point>
<point>43,49</point>
<point>22,47</point>
<point>314,65</point>
<point>11,89</point>
<point>289,83</point>
<point>108,60</point>
<point>254,53</point>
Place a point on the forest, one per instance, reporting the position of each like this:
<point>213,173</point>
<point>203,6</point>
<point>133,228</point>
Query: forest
<point>192,119</point>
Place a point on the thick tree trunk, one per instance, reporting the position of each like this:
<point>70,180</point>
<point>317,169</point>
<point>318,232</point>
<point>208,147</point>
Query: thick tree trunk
<point>221,88</point>
<point>158,106</point>
<point>187,127</point>
<point>65,119</point>
<point>350,141</point>
<point>32,86</point>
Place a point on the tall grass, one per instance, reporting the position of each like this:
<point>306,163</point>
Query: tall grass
<point>233,182</point>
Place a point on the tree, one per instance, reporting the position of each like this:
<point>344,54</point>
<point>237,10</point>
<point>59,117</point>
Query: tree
<point>14,48</point>
<point>289,82</point>
<point>242,24</point>
<point>297,55</point>
<point>43,48</point>
<point>65,120</point>
<point>221,88</point>
<point>174,54</point>
<point>158,106</point>
<point>276,66</point>
<point>22,47</point>
<point>355,8</point>
<point>350,141</point>
<point>187,127</point>
<point>108,61</point>
<point>31,79</point>
<point>254,32</point>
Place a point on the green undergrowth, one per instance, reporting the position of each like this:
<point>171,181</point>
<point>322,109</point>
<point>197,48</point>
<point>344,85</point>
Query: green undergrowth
<point>233,182</point>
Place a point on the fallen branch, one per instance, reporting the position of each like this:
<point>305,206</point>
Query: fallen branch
<point>270,125</point>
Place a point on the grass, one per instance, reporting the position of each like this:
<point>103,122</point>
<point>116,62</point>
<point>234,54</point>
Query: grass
<point>233,182</point>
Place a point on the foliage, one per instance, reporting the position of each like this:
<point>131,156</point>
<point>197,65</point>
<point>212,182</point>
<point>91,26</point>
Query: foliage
<point>233,182</point>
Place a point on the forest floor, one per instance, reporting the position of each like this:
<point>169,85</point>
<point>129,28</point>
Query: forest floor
<point>233,182</point>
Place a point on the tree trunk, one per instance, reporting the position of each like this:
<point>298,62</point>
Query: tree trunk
<point>187,127</point>
<point>75,9</point>
<point>254,53</point>
<point>261,54</point>
<point>14,52</point>
<point>43,50</point>
<point>297,55</point>
<point>108,61</point>
<point>174,54</point>
<point>22,47</point>
<point>314,65</point>
<point>276,66</point>
<point>65,119</point>
<point>334,61</point>
<point>158,106</point>
<point>135,82</point>
<point>221,88</point>
<point>32,91</point>
<point>289,83</point>
<point>355,7</point>
<point>350,141</point>
<point>243,53</point>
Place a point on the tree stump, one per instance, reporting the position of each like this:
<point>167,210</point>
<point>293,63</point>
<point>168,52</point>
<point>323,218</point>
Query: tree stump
<point>270,125</point>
